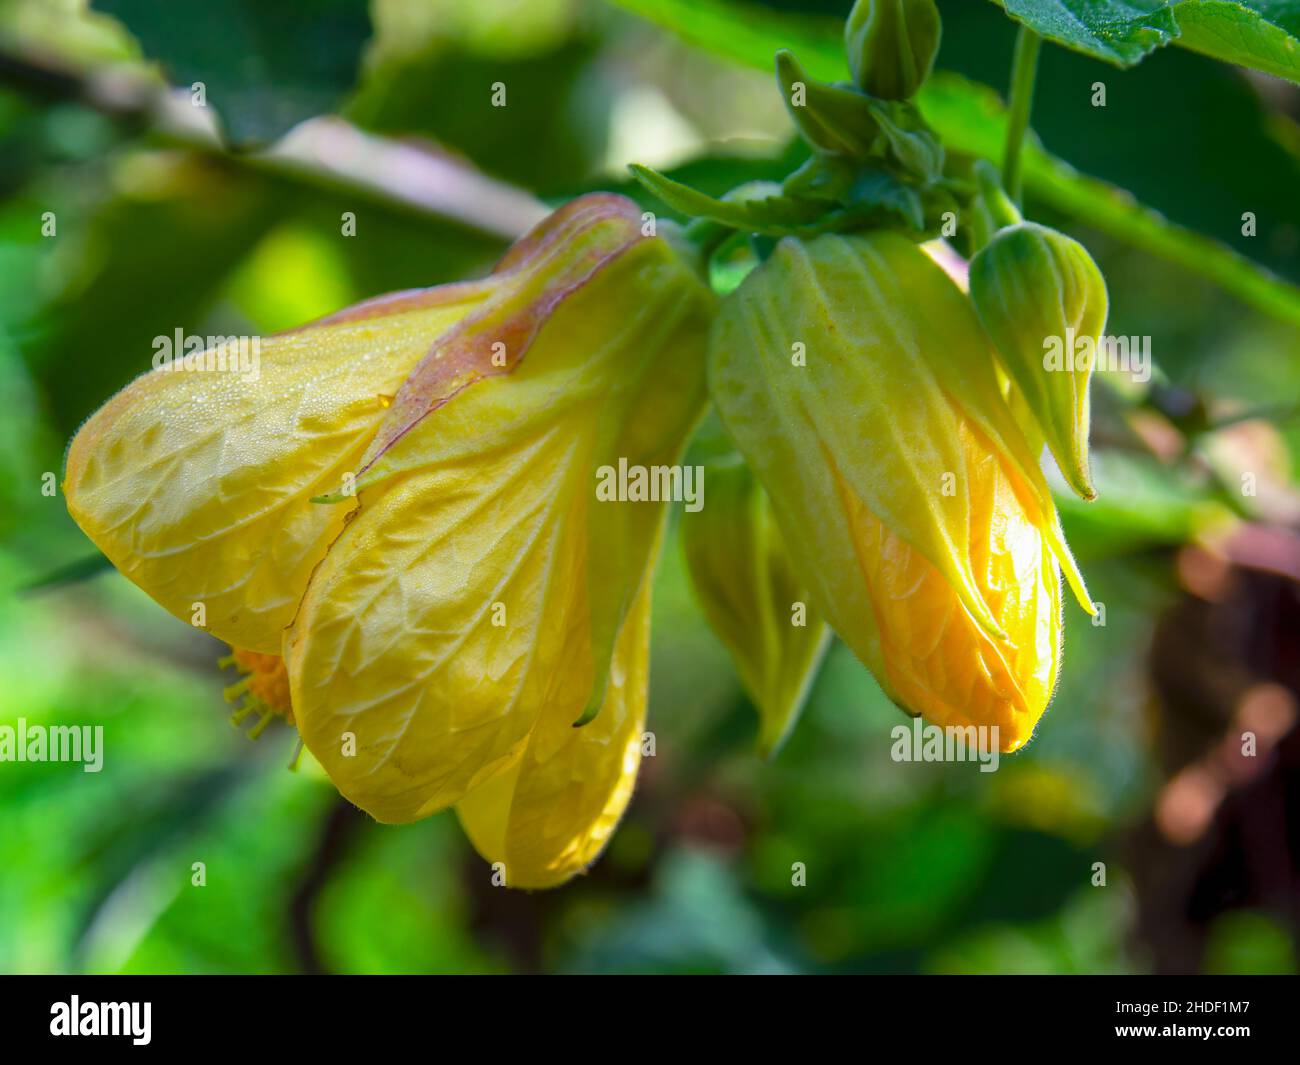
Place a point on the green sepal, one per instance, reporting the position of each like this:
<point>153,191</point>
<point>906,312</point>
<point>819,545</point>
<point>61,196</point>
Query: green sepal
<point>911,143</point>
<point>822,177</point>
<point>746,586</point>
<point>832,118</point>
<point>882,189</point>
<point>775,214</point>
<point>760,206</point>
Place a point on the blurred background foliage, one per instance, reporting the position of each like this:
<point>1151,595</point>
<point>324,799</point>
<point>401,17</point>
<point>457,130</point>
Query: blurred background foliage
<point>161,224</point>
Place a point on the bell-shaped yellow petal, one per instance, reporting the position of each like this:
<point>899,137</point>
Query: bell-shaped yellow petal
<point>1043,301</point>
<point>856,379</point>
<point>481,584</point>
<point>549,815</point>
<point>747,587</point>
<point>197,483</point>
<point>936,660</point>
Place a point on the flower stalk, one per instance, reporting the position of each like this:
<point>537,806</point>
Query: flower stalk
<point>1024,73</point>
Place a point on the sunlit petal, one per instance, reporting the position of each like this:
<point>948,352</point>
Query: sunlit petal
<point>198,484</point>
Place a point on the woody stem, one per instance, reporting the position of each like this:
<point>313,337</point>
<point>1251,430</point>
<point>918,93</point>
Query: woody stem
<point>1024,68</point>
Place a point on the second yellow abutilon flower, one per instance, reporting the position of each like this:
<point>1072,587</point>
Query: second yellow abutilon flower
<point>855,378</point>
<point>403,507</point>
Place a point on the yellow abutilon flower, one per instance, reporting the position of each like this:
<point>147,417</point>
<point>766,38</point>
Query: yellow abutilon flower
<point>855,378</point>
<point>402,506</point>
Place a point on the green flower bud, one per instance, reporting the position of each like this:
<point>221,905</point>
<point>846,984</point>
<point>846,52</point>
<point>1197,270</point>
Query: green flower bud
<point>747,588</point>
<point>891,45</point>
<point>1043,302</point>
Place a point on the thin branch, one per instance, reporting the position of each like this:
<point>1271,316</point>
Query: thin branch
<point>325,151</point>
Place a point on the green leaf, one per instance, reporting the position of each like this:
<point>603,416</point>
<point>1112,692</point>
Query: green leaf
<point>1122,32</point>
<point>265,67</point>
<point>1261,34</point>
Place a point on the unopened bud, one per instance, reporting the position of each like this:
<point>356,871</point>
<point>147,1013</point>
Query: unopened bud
<point>891,45</point>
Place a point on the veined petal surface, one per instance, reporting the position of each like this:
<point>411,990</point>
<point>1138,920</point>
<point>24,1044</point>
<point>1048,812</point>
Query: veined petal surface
<point>487,510</point>
<point>937,661</point>
<point>441,620</point>
<point>551,813</point>
<point>197,484</point>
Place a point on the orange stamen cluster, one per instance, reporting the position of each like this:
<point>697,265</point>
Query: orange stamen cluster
<point>263,689</point>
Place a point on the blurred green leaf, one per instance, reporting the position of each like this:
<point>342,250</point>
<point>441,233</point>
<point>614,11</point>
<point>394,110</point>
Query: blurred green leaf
<point>549,134</point>
<point>394,905</point>
<point>147,266</point>
<point>159,258</point>
<point>1087,936</point>
<point>1245,942</point>
<point>265,66</point>
<point>937,861</point>
<point>80,570</point>
<point>971,118</point>
<point>695,920</point>
<point>1140,504</point>
<point>750,34</point>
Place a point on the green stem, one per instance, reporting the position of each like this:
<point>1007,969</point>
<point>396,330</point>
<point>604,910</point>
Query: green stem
<point>1024,68</point>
